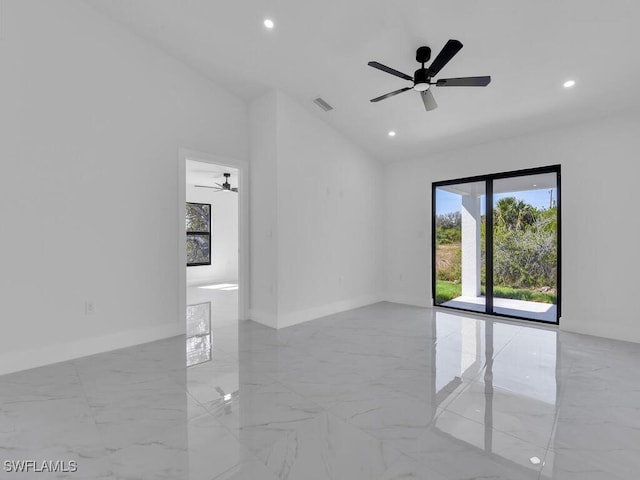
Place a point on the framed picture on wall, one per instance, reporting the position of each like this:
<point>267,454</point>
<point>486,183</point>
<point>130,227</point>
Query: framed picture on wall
<point>198,234</point>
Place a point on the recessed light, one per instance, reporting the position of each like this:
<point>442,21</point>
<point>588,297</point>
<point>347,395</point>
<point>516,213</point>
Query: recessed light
<point>535,461</point>
<point>269,23</point>
<point>392,133</point>
<point>569,83</point>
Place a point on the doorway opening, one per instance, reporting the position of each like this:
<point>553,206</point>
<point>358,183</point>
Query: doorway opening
<point>496,244</point>
<point>213,253</point>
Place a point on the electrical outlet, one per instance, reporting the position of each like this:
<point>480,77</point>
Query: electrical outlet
<point>89,307</point>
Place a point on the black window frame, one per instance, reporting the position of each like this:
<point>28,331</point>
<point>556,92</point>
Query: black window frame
<point>198,233</point>
<point>488,179</point>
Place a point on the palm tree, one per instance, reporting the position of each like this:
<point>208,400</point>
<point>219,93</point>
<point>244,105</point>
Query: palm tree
<point>513,214</point>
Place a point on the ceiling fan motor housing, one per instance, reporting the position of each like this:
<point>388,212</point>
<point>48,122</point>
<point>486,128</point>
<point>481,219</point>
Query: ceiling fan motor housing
<point>423,54</point>
<point>226,186</point>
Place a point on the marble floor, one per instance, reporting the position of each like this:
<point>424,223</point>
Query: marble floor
<point>382,392</point>
<point>212,313</point>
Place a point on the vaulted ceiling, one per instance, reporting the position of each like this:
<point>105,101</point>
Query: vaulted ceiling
<point>321,48</point>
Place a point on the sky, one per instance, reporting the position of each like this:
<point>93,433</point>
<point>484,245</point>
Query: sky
<point>450,202</point>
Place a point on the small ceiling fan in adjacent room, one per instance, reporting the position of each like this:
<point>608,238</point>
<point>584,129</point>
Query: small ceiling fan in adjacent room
<point>423,77</point>
<point>221,187</point>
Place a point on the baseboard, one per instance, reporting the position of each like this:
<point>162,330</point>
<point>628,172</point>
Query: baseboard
<point>203,282</point>
<point>300,316</point>
<point>264,318</point>
<point>408,299</point>
<point>26,359</point>
<point>604,330</point>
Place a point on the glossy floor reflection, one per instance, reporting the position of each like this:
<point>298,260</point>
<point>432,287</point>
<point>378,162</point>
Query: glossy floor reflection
<point>212,314</point>
<point>382,392</point>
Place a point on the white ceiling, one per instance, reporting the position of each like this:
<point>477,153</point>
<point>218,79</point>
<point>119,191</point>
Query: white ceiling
<point>200,173</point>
<point>321,48</point>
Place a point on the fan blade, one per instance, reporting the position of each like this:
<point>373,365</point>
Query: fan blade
<point>447,53</point>
<point>204,186</point>
<point>234,189</point>
<point>428,100</point>
<point>390,70</point>
<point>390,94</point>
<point>464,82</point>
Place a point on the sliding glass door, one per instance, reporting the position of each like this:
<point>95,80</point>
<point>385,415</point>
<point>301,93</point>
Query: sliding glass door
<point>459,245</point>
<point>496,245</point>
<point>525,246</point>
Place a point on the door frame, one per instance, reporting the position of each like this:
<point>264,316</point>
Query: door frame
<point>242,166</point>
<point>489,179</point>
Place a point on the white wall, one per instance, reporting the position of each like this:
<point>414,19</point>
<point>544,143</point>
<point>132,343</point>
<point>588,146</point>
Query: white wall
<point>90,126</point>
<point>224,238</point>
<point>263,181</point>
<point>328,223</point>
<point>600,257</point>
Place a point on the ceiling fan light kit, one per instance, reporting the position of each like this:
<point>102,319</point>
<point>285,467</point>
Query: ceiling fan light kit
<point>423,77</point>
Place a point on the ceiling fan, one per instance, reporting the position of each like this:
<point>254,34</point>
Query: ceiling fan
<point>221,187</point>
<point>423,77</point>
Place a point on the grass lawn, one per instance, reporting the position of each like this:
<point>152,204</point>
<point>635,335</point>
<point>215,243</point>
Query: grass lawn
<point>446,291</point>
<point>522,294</point>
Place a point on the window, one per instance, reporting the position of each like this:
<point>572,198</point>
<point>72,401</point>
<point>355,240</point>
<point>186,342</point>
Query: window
<point>198,234</point>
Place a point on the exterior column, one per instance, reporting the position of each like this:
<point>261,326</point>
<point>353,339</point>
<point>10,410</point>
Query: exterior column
<point>471,259</point>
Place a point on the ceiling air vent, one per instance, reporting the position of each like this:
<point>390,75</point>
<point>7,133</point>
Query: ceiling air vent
<point>322,104</point>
